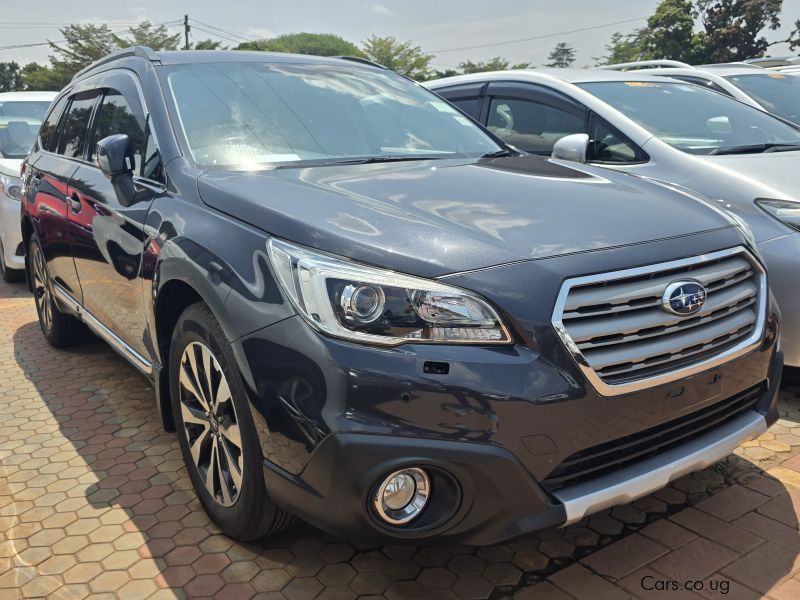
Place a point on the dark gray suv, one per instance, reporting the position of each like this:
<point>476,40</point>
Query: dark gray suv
<point>360,308</point>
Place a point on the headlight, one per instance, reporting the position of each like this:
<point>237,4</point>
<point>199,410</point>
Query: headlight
<point>10,186</point>
<point>375,306</point>
<point>786,211</point>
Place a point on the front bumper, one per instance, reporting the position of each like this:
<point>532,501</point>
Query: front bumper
<point>782,256</point>
<point>10,232</point>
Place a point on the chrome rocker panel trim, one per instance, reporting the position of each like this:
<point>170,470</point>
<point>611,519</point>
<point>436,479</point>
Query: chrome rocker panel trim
<point>104,333</point>
<point>736,351</point>
<point>653,474</point>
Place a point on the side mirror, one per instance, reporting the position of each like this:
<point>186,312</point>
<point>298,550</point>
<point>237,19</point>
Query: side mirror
<point>114,155</point>
<point>573,147</point>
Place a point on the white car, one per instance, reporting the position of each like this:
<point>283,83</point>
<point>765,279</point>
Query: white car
<point>772,90</point>
<point>665,130</point>
<point>21,114</point>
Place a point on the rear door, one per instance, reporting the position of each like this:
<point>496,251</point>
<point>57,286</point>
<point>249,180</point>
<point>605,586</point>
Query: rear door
<point>60,144</point>
<point>108,237</point>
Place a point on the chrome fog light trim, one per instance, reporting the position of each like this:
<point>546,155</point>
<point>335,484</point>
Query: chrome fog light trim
<point>402,496</point>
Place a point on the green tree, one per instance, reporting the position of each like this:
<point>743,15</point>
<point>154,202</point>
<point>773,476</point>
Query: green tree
<point>38,78</point>
<point>734,28</point>
<point>562,56</point>
<point>498,63</point>
<point>145,34</point>
<point>671,35</point>
<point>624,47</point>
<point>10,77</point>
<point>319,44</point>
<point>208,44</point>
<point>403,57</point>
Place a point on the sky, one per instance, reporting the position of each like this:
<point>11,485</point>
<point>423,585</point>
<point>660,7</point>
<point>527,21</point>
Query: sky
<point>453,30</point>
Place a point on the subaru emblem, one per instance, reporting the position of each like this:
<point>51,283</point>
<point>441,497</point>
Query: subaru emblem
<point>683,297</point>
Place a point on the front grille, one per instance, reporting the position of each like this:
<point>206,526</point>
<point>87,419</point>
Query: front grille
<point>617,324</point>
<point>624,452</point>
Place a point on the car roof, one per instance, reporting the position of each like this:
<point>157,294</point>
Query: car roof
<point>566,75</point>
<point>27,96</point>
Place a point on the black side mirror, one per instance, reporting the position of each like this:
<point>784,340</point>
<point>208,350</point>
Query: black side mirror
<point>114,156</point>
<point>115,159</point>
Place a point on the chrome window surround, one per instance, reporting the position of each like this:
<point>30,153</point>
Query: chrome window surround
<point>743,347</point>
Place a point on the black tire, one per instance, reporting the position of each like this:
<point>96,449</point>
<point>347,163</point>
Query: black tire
<point>60,329</point>
<point>9,275</point>
<point>244,512</point>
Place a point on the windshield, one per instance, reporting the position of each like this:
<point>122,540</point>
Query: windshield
<point>19,122</point>
<point>776,92</point>
<point>694,119</point>
<point>246,115</point>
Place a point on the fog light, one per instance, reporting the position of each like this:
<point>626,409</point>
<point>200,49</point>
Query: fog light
<point>402,496</point>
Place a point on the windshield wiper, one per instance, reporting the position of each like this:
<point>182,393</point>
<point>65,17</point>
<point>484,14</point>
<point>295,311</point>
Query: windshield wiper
<point>501,153</point>
<point>380,159</point>
<point>754,149</point>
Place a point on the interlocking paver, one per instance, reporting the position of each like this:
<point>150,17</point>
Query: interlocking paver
<point>94,499</point>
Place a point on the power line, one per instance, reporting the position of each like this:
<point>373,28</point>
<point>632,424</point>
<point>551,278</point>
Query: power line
<point>229,33</point>
<point>538,37</point>
<point>218,35</point>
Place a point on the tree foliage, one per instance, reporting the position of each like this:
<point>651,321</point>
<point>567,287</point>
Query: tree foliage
<point>145,34</point>
<point>318,44</point>
<point>10,77</point>
<point>208,44</point>
<point>731,30</point>
<point>403,57</point>
<point>562,56</point>
<point>498,63</point>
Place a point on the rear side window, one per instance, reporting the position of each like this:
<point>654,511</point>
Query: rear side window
<point>47,133</point>
<point>74,132</point>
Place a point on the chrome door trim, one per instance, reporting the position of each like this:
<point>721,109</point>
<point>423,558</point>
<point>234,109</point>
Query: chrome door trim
<point>740,349</point>
<point>108,336</point>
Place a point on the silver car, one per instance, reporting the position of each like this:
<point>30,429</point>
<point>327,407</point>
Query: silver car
<point>768,89</point>
<point>741,157</point>
<point>21,115</point>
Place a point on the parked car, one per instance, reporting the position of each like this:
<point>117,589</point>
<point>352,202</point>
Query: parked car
<point>766,89</point>
<point>358,307</point>
<point>21,114</point>
<point>662,129</point>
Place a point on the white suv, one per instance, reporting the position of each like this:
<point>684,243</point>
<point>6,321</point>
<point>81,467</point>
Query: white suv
<point>21,114</point>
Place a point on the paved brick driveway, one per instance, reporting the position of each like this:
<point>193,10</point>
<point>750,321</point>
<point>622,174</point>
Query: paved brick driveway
<point>94,502</point>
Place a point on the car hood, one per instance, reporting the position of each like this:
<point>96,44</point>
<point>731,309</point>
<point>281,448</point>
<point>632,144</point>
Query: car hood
<point>777,170</point>
<point>433,218</point>
<point>10,166</point>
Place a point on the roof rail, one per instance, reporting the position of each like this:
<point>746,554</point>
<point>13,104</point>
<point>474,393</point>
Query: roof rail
<point>644,64</point>
<point>363,61</point>
<point>140,51</point>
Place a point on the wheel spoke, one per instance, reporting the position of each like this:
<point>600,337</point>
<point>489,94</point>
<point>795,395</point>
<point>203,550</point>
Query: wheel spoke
<point>206,381</point>
<point>233,435</point>
<point>225,474</point>
<point>193,416</point>
<point>234,467</point>
<point>188,380</point>
<point>223,392</point>
<point>197,447</point>
<point>213,469</point>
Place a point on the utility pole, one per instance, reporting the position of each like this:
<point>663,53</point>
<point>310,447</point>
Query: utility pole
<point>186,29</point>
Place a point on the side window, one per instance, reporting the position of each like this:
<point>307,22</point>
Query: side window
<point>74,132</point>
<point>609,146</point>
<point>116,115</point>
<point>531,126</point>
<point>469,106</point>
<point>47,132</point>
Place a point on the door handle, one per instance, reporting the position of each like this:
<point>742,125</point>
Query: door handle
<point>75,203</point>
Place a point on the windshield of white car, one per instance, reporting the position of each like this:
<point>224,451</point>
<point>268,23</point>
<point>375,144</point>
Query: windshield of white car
<point>19,122</point>
<point>258,115</point>
<point>694,119</point>
<point>776,92</point>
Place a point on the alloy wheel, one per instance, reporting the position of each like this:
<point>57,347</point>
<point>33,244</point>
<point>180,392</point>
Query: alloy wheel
<point>210,423</point>
<point>41,290</point>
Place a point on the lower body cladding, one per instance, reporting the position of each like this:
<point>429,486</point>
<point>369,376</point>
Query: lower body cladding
<point>782,255</point>
<point>345,447</point>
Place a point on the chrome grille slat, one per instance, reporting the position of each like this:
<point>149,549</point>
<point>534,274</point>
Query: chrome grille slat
<point>619,308</point>
<point>627,324</point>
<point>623,292</point>
<point>621,336</point>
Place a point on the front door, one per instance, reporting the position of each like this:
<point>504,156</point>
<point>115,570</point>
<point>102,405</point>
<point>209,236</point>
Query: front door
<point>107,237</point>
